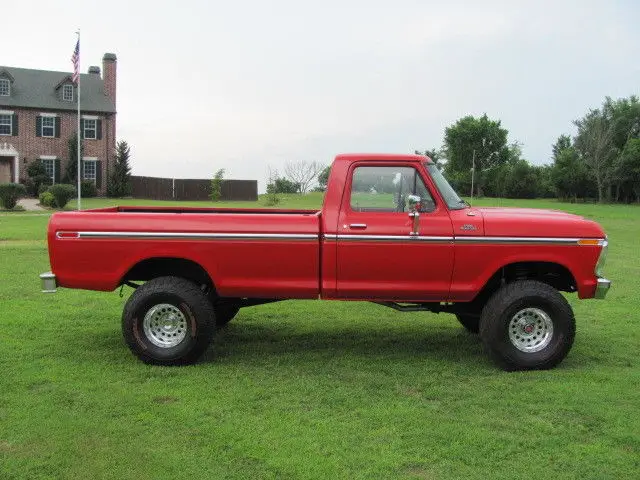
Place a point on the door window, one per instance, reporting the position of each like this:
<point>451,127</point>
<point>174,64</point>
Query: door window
<point>385,189</point>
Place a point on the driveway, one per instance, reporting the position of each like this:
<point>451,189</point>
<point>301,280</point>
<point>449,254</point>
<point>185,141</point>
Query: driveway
<point>31,204</point>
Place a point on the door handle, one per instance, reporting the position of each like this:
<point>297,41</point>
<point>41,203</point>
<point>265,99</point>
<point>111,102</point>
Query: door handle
<point>358,225</point>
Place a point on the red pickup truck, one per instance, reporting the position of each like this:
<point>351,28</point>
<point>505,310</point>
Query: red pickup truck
<point>391,231</point>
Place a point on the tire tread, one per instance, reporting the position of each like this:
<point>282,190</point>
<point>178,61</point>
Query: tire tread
<point>503,299</point>
<point>194,297</point>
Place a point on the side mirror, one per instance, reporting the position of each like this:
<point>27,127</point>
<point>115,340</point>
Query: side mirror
<point>414,208</point>
<point>414,202</point>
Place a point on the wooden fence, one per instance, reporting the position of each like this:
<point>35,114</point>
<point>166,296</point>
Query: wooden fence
<point>155,188</point>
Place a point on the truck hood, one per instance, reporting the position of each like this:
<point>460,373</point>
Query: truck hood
<point>534,222</point>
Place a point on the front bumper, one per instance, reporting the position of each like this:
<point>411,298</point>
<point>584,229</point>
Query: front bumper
<point>49,284</point>
<point>602,288</point>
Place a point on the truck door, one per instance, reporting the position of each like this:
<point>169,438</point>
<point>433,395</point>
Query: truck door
<point>379,256</point>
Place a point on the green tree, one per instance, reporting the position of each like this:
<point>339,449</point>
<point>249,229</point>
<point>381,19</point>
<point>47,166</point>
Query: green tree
<point>544,174</point>
<point>119,184</point>
<point>283,185</point>
<point>37,177</point>
<point>603,134</point>
<point>437,156</point>
<point>570,175</point>
<point>272,195</point>
<point>496,180</point>
<point>627,172</point>
<point>521,181</point>
<point>480,138</point>
<point>323,177</point>
<point>594,143</point>
<point>563,142</point>
<point>624,115</point>
<point>71,175</point>
<point>216,185</point>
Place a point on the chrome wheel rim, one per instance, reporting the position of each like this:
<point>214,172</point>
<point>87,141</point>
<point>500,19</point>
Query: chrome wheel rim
<point>530,330</point>
<point>165,325</point>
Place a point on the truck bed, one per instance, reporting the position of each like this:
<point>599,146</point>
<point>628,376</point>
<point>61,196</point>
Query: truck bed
<point>263,253</point>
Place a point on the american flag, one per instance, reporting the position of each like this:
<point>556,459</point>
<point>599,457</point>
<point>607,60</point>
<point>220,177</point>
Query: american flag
<point>75,58</point>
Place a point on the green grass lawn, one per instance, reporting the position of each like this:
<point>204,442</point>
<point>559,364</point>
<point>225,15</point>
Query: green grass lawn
<point>312,389</point>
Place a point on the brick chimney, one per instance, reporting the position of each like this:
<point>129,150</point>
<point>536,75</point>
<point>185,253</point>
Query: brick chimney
<point>109,64</point>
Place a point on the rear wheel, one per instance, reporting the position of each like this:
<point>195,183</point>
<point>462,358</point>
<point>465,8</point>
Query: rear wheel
<point>527,325</point>
<point>168,321</point>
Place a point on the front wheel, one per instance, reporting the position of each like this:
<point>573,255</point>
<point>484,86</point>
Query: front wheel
<point>168,321</point>
<point>527,325</point>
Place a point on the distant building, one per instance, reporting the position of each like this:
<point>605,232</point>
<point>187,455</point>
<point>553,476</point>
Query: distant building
<point>38,115</point>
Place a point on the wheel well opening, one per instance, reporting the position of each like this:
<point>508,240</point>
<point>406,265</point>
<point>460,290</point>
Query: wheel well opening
<point>167,266</point>
<point>553,274</point>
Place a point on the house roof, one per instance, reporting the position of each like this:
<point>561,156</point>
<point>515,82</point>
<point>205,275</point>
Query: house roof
<point>38,89</point>
<point>5,74</point>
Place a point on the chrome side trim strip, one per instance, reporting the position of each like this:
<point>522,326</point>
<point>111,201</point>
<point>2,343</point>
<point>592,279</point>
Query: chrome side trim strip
<point>387,238</point>
<point>519,240</point>
<point>459,239</point>
<point>197,236</point>
<point>327,237</point>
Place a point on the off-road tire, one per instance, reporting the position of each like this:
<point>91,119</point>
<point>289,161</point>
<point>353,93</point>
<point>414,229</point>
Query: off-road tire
<point>186,302</point>
<point>470,322</point>
<point>501,313</point>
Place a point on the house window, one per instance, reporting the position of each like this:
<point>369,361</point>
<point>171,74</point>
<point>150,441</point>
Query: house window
<point>89,129</point>
<point>5,88</point>
<point>49,127</point>
<point>49,166</point>
<point>67,93</point>
<point>5,125</point>
<point>89,170</point>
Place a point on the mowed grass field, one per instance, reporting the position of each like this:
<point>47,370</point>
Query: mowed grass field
<point>312,390</point>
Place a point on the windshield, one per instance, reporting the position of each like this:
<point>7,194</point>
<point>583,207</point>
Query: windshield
<point>448,193</point>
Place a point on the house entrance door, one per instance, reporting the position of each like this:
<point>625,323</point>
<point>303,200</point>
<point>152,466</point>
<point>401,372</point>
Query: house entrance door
<point>6,169</point>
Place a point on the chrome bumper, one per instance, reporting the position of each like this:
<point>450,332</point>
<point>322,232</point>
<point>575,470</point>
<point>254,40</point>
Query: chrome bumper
<point>602,288</point>
<point>49,283</point>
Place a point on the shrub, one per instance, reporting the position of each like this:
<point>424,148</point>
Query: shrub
<point>282,185</point>
<point>272,200</point>
<point>47,199</point>
<point>62,193</point>
<point>88,189</point>
<point>216,186</point>
<point>37,178</point>
<point>10,193</point>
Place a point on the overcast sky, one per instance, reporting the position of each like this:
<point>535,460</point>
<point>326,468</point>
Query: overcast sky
<point>242,85</point>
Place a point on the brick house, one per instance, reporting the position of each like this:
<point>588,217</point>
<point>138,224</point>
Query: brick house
<point>38,115</point>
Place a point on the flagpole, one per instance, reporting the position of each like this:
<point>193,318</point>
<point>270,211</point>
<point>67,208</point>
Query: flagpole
<point>79,136</point>
<point>473,173</point>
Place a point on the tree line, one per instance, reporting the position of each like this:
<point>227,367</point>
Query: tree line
<point>601,161</point>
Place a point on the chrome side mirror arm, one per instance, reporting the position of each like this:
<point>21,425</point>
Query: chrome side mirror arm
<point>414,213</point>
